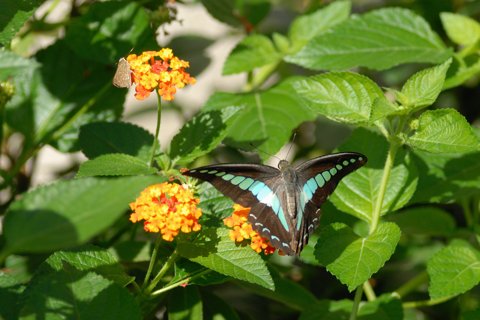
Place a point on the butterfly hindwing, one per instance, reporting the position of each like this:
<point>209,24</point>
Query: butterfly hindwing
<point>318,178</point>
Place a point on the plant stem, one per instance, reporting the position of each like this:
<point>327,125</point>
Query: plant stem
<point>424,303</point>
<point>173,257</point>
<point>412,284</point>
<point>467,211</point>
<point>387,169</point>
<point>152,261</point>
<point>356,303</point>
<point>369,293</point>
<point>157,130</point>
<point>179,283</point>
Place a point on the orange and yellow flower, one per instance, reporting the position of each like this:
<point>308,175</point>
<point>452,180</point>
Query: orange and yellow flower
<point>242,230</point>
<point>159,70</point>
<point>167,208</point>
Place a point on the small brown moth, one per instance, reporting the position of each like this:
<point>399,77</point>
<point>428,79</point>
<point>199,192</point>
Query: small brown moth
<point>123,75</point>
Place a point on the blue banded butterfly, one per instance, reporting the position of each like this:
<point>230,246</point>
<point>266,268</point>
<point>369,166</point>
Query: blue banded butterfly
<point>285,202</point>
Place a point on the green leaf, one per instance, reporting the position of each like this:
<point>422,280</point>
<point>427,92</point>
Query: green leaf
<point>101,138</point>
<point>96,30</point>
<point>214,249</point>
<point>383,108</point>
<point>252,52</point>
<point>354,259</point>
<point>462,73</point>
<point>202,134</point>
<point>460,29</point>
<point>267,119</point>
<point>306,27</point>
<point>196,274</point>
<point>341,96</point>
<point>446,178</point>
<point>443,131</point>
<point>52,102</point>
<point>88,258</point>
<point>213,202</point>
<point>424,221</point>
<point>115,164</point>
<point>132,251</point>
<point>72,294</point>
<point>453,270</point>
<point>185,303</point>
<point>287,292</point>
<point>13,16</point>
<point>384,307</point>
<point>357,193</point>
<point>378,40</point>
<point>238,14</point>
<point>216,308</point>
<point>423,88</point>
<point>68,213</point>
<point>10,293</point>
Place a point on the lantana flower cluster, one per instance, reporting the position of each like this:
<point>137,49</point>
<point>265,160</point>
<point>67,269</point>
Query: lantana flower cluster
<point>159,70</point>
<point>167,208</point>
<point>242,230</point>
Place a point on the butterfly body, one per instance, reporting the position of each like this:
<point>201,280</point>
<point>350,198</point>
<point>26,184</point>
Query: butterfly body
<point>285,202</point>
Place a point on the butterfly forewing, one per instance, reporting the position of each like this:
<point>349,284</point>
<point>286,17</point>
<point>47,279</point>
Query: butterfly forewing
<point>285,205</point>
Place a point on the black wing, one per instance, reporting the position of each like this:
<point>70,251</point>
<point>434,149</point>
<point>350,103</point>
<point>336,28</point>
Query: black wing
<point>317,179</point>
<point>236,188</point>
<point>255,186</point>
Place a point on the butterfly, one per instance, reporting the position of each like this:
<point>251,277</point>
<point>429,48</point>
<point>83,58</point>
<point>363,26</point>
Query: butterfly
<point>285,202</point>
<point>123,74</point>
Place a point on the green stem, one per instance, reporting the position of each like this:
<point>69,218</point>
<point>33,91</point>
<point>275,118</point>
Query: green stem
<point>424,303</point>
<point>157,130</point>
<point>153,259</point>
<point>167,265</point>
<point>369,293</point>
<point>356,303</point>
<point>387,169</point>
<point>261,76</point>
<point>412,284</point>
<point>179,283</point>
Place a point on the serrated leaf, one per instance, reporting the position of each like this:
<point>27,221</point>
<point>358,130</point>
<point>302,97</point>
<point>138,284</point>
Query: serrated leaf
<point>453,270</point>
<point>384,307</point>
<point>341,96</point>
<point>462,74</point>
<point>216,308</point>
<point>114,165</point>
<point>185,303</point>
<point>423,88</point>
<point>443,131</point>
<point>73,294</point>
<point>446,178</point>
<point>100,22</point>
<point>101,138</point>
<point>252,52</point>
<point>286,292</point>
<point>214,249</point>
<point>357,193</point>
<point>14,15</point>
<point>383,108</point>
<point>460,29</point>
<point>68,213</point>
<point>11,289</point>
<point>379,40</point>
<point>88,258</point>
<point>354,259</point>
<point>196,274</point>
<point>430,221</point>
<point>238,14</point>
<point>213,202</point>
<point>306,27</point>
<point>202,134</point>
<point>267,119</point>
